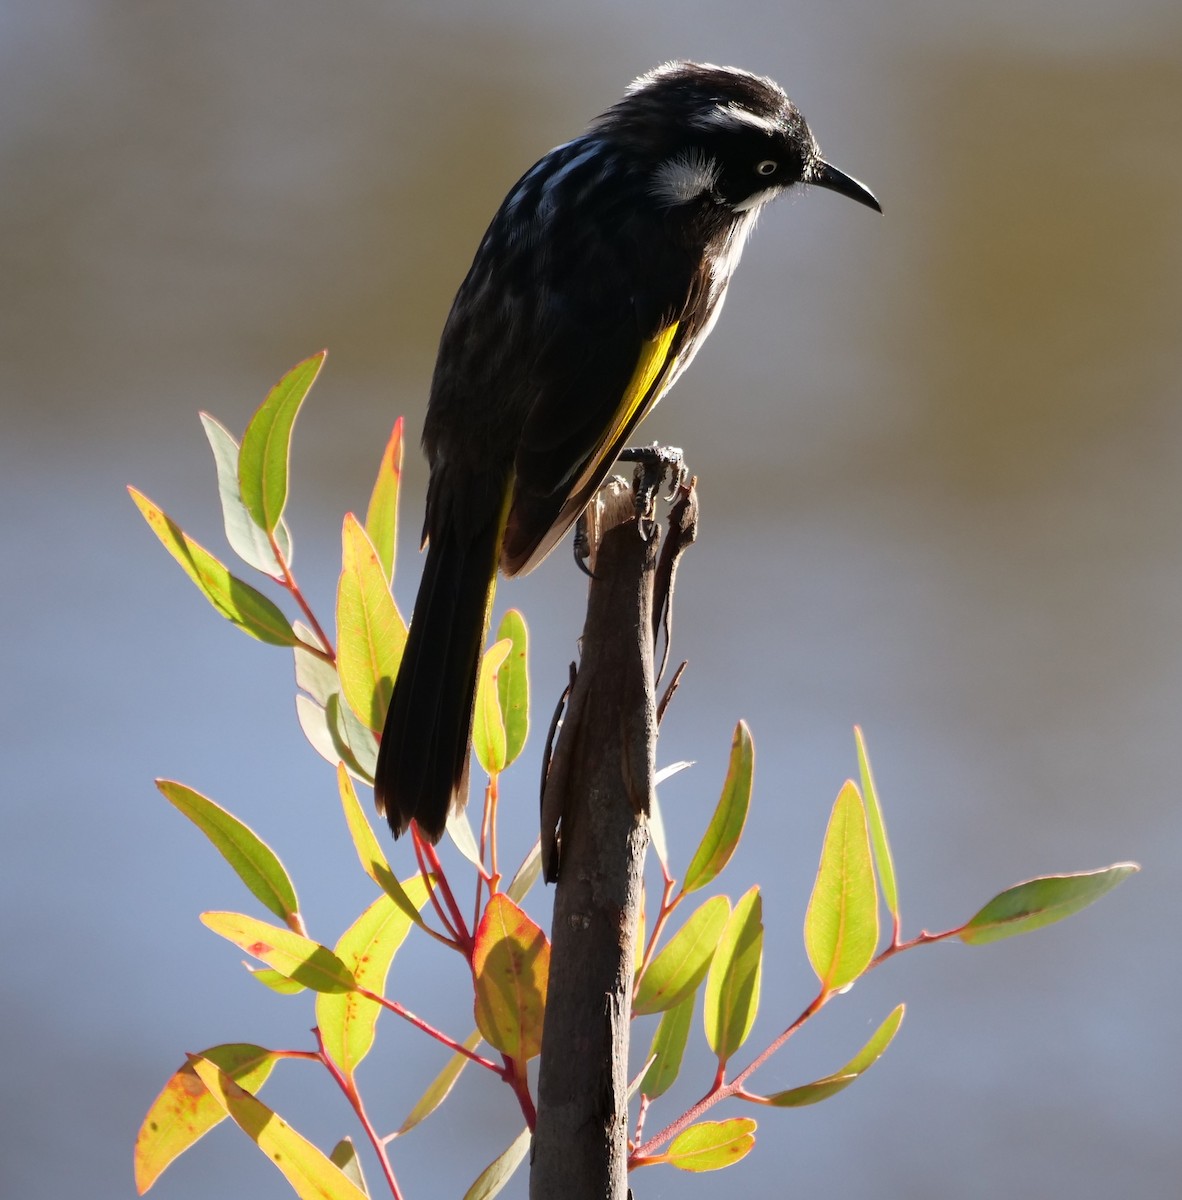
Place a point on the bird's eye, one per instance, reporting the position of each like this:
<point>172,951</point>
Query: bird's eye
<point>767,167</point>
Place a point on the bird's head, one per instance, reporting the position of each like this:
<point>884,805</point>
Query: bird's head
<point>721,135</point>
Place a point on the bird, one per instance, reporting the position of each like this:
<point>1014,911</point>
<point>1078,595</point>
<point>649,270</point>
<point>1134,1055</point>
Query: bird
<point>597,281</point>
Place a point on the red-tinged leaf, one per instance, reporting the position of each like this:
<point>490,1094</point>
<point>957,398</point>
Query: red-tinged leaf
<point>238,602</point>
<point>511,965</point>
<point>682,964</point>
<point>344,1155</point>
<point>1042,901</point>
<point>668,1048</point>
<point>878,833</point>
<point>255,863</point>
<point>732,986</point>
<point>369,851</point>
<point>296,957</point>
<point>312,1175</point>
<point>381,518</point>
<point>266,445</point>
<point>488,726</point>
<point>248,540</point>
<point>513,684</point>
<point>711,1145</point>
<point>841,924</point>
<point>830,1085</point>
<point>184,1111</point>
<point>498,1172</point>
<point>371,634</point>
<point>347,1020</point>
<point>726,826</point>
<point>440,1086</point>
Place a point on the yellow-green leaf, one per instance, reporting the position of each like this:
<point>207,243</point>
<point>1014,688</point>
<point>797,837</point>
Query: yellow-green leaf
<point>511,966</point>
<point>371,634</point>
<point>255,863</point>
<point>878,833</point>
<point>247,540</point>
<point>369,851</point>
<point>347,1020</point>
<point>266,445</point>
<point>841,924</point>
<point>513,684</point>
<point>711,1145</point>
<point>726,825</point>
<point>296,957</point>
<point>668,1048</point>
<point>344,1155</point>
<point>683,962</point>
<point>498,1172</point>
<point>440,1086</point>
<point>279,984</point>
<point>238,602</point>
<point>184,1111</point>
<point>381,518</point>
<point>1042,901</point>
<point>732,985</point>
<point>830,1085</point>
<point>488,726</point>
<point>312,1175</point>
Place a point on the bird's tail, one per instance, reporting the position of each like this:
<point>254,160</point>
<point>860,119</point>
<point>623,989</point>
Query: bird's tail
<point>422,768</point>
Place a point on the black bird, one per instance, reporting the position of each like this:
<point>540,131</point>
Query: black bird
<point>596,283</point>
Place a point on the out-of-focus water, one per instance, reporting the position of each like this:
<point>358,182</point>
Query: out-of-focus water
<point>938,454</point>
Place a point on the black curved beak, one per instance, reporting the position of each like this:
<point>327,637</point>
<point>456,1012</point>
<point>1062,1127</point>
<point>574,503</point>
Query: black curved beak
<point>826,176</point>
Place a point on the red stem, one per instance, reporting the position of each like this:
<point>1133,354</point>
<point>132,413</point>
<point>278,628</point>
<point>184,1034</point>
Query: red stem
<point>345,1083</point>
<point>289,582</point>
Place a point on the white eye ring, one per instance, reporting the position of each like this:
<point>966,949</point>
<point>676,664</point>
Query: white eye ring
<point>767,167</point>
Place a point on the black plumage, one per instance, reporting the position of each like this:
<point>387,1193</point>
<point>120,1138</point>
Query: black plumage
<point>599,277</point>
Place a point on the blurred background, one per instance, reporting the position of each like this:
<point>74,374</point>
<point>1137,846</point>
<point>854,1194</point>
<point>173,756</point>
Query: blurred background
<point>938,454</point>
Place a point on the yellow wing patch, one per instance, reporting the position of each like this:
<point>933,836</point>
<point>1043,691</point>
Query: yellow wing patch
<point>654,356</point>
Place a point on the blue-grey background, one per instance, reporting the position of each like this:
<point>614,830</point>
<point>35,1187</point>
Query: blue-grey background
<point>939,458</point>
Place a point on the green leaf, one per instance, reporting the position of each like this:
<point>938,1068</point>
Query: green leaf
<point>184,1112</point>
<point>381,518</point>
<point>513,684</point>
<point>668,1048</point>
<point>822,1089</point>
<point>371,634</point>
<point>726,826</point>
<point>369,851</point>
<point>459,829</point>
<point>238,602</point>
<point>344,1155</point>
<point>878,833</point>
<point>347,1021</point>
<point>527,874</point>
<point>841,924</point>
<point>266,445</point>
<point>313,675</point>
<point>711,1145</point>
<point>498,1172</point>
<point>511,966</point>
<point>488,726</point>
<point>682,964</point>
<point>1042,901</point>
<point>255,863</point>
<point>440,1086</point>
<point>354,743</point>
<point>732,986</point>
<point>309,1171</point>
<point>296,957</point>
<point>279,984</point>
<point>246,539</point>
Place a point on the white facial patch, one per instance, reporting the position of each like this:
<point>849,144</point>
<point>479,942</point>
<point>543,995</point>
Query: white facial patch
<point>684,177</point>
<point>735,116</point>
